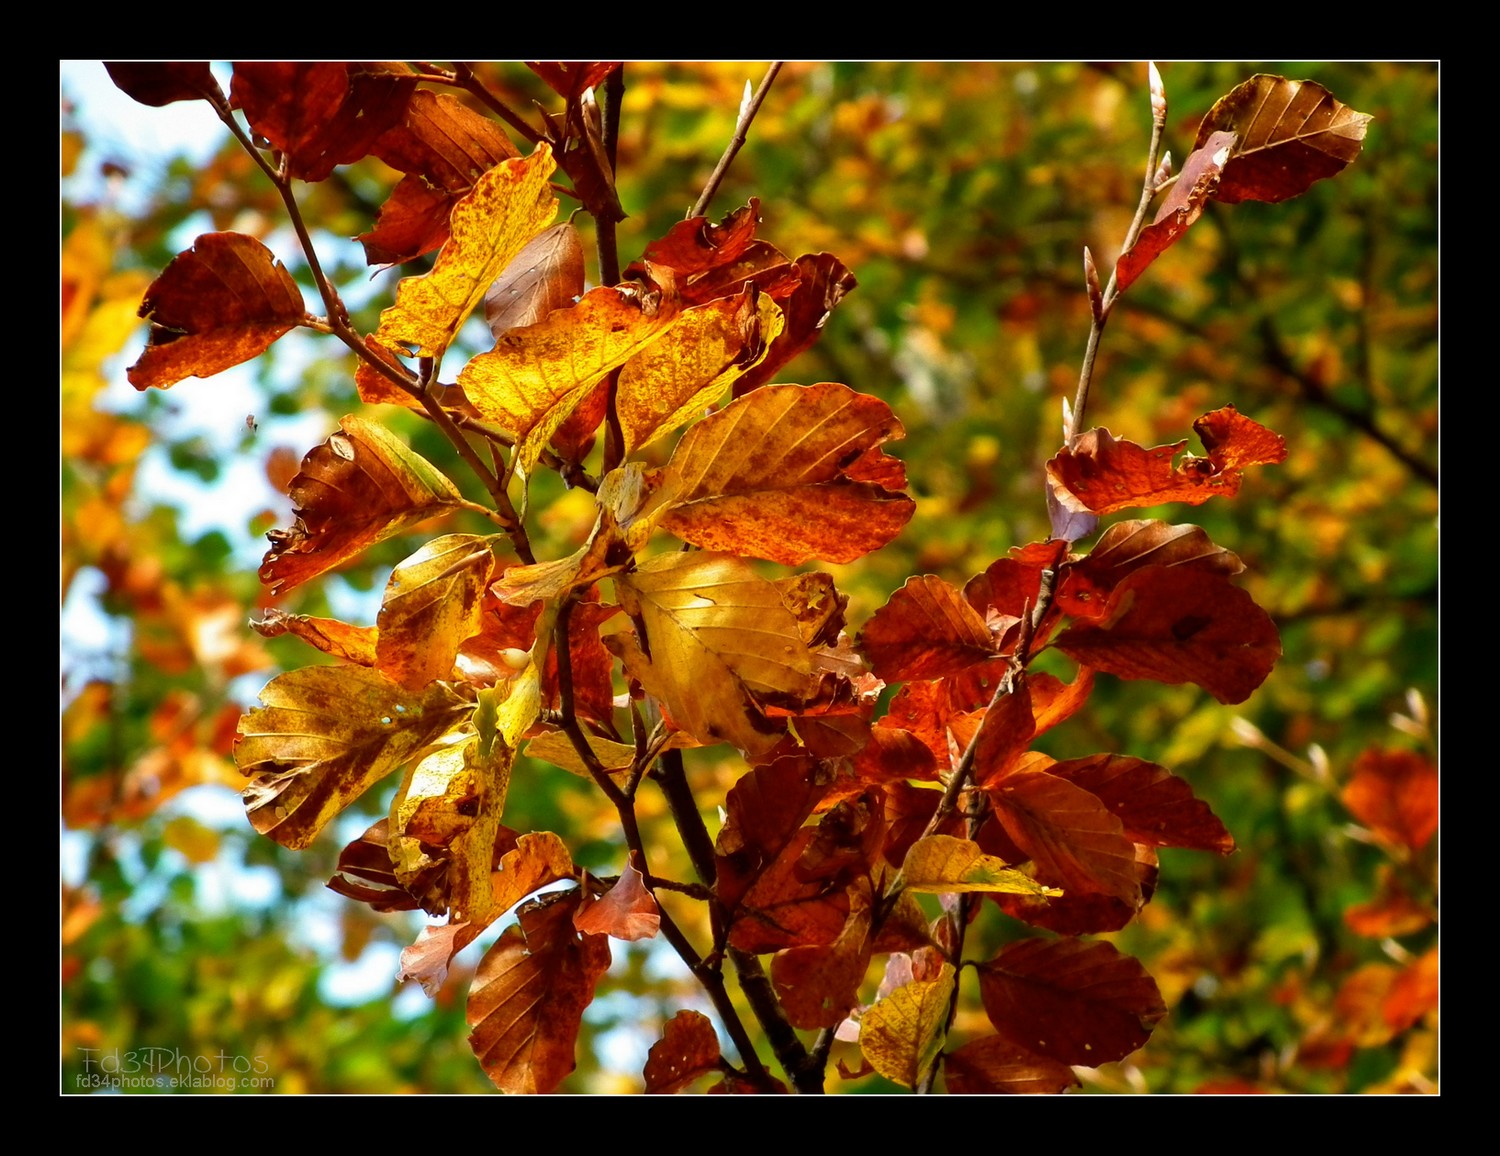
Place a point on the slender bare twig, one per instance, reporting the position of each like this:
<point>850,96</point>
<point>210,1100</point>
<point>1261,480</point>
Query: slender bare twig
<point>741,128</point>
<point>463,77</point>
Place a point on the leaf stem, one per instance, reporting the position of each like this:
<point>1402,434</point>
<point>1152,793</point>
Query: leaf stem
<point>741,129</point>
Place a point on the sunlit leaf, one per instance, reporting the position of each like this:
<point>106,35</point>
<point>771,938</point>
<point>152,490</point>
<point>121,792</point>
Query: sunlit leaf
<point>359,487</point>
<point>1072,1001</point>
<point>220,303</point>
<point>432,604</point>
<point>902,1034</point>
<point>1072,837</point>
<point>569,78</point>
<point>943,864</point>
<point>529,995</point>
<point>507,207</point>
<point>824,282</point>
<point>324,735</point>
<point>626,911</point>
<point>927,630</point>
<point>1292,133</point>
<point>782,474</point>
<point>334,638</point>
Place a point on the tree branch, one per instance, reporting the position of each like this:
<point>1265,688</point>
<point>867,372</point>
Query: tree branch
<point>741,128</point>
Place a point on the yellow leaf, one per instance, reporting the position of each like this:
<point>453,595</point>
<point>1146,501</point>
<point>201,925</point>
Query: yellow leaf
<point>676,378</point>
<point>507,207</point>
<point>944,864</point>
<point>432,604</point>
<point>535,376</point>
<point>902,1034</point>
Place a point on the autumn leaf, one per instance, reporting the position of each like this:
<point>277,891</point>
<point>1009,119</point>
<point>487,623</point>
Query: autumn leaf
<point>160,83</point>
<point>324,735</point>
<point>626,911</point>
<point>1072,837</point>
<point>1183,206</point>
<point>717,638</point>
<point>783,473</point>
<point>1085,584</point>
<point>365,873</point>
<point>993,1065</point>
<point>764,811</point>
<point>695,245</point>
<point>823,282</point>
<point>546,275</point>
<point>902,1034</point>
<point>925,631</point>
<point>569,78</point>
<point>1291,133</point>
<point>688,1048</point>
<point>943,864</point>
<point>1395,794</point>
<point>535,376</point>
<point>432,603</point>
<point>817,985</point>
<point>359,487</point>
<point>529,995</point>
<point>321,115</point>
<point>334,638</point>
<point>687,369</point>
<point>1175,625</point>
<point>1072,1001</point>
<point>507,207</point>
<point>218,304</point>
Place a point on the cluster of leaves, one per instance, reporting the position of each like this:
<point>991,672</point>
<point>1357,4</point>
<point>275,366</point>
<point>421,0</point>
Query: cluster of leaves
<point>838,818</point>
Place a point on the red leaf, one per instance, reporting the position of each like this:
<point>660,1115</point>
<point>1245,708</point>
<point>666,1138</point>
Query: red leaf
<point>688,1048</point>
<point>1183,206</point>
<point>993,1065</point>
<point>925,631</point>
<point>1071,1001</point>
<point>1395,794</point>
<point>1156,806</point>
<point>1074,840</point>
<point>626,911</point>
<point>161,83</point>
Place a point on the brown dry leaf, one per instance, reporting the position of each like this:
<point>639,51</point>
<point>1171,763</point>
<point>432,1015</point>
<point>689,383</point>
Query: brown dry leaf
<point>717,638</point>
<point>764,811</point>
<point>688,1048</point>
<point>1183,206</point>
<point>570,78</point>
<point>676,378</point>
<point>1069,1000</point>
<point>218,304</point>
<point>1175,625</point>
<point>1070,835</point>
<point>529,995</point>
<point>507,207</point>
<point>992,1065</point>
<point>1084,586</point>
<point>694,246</point>
<point>359,487</point>
<point>534,377</point>
<point>781,909</point>
<point>626,911</point>
<point>324,735</point>
<point>1005,731</point>
<point>925,631</point>
<point>160,83</point>
<point>1395,794</point>
<point>902,1034</point>
<point>1083,912</point>
<point>941,864</point>
<point>1053,701</point>
<point>1234,441</point>
<point>1156,806</point>
<point>546,275</point>
<point>781,475</point>
<point>432,604</point>
<point>1102,475</point>
<point>365,873</point>
<point>536,860</point>
<point>1291,133</point>
<point>817,986</point>
<point>336,639</point>
<point>321,115</point>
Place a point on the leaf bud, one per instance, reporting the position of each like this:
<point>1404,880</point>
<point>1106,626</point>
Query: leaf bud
<point>1158,92</point>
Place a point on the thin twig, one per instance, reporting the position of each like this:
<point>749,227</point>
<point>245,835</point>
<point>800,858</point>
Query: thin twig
<point>741,128</point>
<point>465,79</point>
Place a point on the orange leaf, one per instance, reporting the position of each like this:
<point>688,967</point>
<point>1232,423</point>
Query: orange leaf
<point>529,995</point>
<point>925,631</point>
<point>626,911</point>
<point>1292,133</point>
<point>1183,206</point>
<point>817,986</point>
<point>776,475</point>
<point>688,1048</point>
<point>1395,794</point>
<point>218,304</point>
<point>1072,837</point>
<point>334,638</point>
<point>1069,1000</point>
